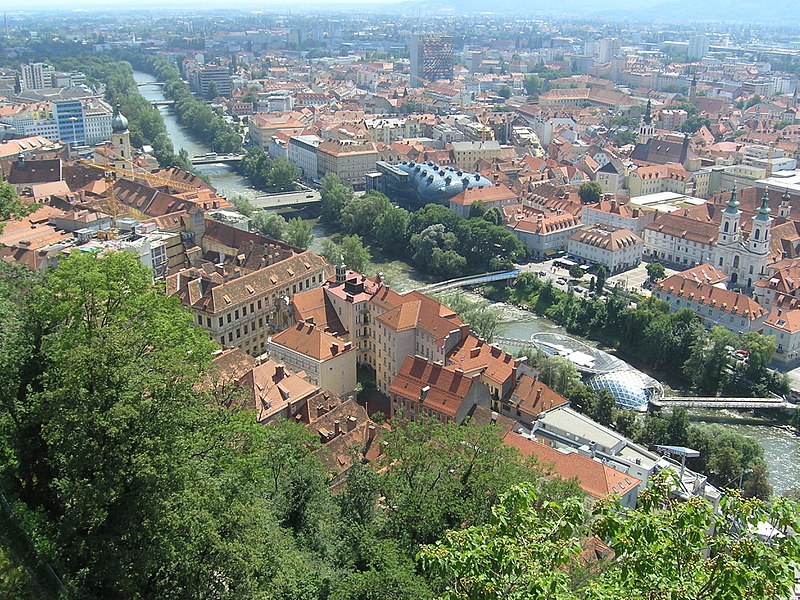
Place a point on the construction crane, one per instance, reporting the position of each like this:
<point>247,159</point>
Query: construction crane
<point>151,179</point>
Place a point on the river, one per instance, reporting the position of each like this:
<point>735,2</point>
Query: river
<point>781,446</point>
<point>224,177</point>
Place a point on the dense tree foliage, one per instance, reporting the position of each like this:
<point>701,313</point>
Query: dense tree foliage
<point>434,238</point>
<point>666,548</point>
<point>590,192</point>
<point>482,318</point>
<point>266,173</point>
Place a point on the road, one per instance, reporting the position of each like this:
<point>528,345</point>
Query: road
<point>631,279</point>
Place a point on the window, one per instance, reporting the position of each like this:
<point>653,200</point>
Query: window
<point>208,322</point>
<point>199,319</point>
<point>220,321</point>
<point>238,333</point>
<point>244,311</point>
<point>259,305</point>
<point>236,314</point>
<point>229,317</point>
<point>251,308</point>
<point>230,336</point>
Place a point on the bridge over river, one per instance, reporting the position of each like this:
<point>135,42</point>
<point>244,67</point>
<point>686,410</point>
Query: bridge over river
<point>723,403</point>
<point>460,282</point>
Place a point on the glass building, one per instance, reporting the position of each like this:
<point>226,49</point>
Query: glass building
<point>632,389</point>
<point>413,184</point>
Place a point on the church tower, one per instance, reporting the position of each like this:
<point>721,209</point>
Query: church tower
<point>785,208</point>
<point>122,157</point>
<point>762,222</point>
<point>729,232</point>
<point>646,129</point>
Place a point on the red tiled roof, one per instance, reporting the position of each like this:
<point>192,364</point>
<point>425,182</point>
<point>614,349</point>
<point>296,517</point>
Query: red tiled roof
<point>595,478</point>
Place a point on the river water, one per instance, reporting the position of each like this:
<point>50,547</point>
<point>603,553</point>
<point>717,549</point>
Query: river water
<point>781,446</point>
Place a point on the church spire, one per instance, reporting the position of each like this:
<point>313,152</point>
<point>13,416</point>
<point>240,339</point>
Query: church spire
<point>733,202</point>
<point>648,117</point>
<point>764,210</point>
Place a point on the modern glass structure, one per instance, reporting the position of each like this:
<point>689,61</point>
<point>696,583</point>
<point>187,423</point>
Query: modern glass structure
<point>632,389</point>
<point>414,185</point>
<point>71,123</point>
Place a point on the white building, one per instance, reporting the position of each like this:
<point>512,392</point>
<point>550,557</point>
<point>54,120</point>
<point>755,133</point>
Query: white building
<point>302,152</point>
<point>545,235</point>
<point>698,46</point>
<point>744,260</point>
<point>616,249</point>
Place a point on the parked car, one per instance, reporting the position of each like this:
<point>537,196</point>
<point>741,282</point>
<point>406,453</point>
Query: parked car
<point>561,281</point>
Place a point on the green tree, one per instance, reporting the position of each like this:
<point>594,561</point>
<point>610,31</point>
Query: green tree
<point>665,548</point>
<point>356,256</point>
<point>655,271</point>
<point>590,192</point>
<point>334,196</point>
<point>602,275</point>
<point>604,408</point>
<point>298,233</point>
<point>270,224</point>
<point>117,461</point>
<point>212,92</point>
<point>532,84</point>
<point>504,92</point>
<point>477,209</point>
<point>283,176</point>
<point>575,271</point>
<point>391,229</point>
<point>11,207</point>
<point>243,205</point>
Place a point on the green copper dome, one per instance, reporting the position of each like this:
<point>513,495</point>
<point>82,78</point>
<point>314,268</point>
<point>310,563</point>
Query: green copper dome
<point>119,124</point>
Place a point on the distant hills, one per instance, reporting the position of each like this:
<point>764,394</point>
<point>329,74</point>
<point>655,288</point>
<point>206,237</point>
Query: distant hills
<point>655,10</point>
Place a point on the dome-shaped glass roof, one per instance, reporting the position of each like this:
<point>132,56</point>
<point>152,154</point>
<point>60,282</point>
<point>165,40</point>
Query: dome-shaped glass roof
<point>632,389</point>
<point>432,183</point>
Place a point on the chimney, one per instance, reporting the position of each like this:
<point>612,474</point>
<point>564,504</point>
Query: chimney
<point>280,373</point>
<point>538,395</point>
<point>337,427</point>
<point>334,348</point>
<point>494,417</point>
<point>351,423</point>
<point>423,393</point>
<point>371,432</point>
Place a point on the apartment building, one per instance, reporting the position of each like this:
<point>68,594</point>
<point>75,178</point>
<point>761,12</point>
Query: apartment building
<point>324,359</point>
<point>680,240</point>
<point>619,215</point>
<point>302,152</point>
<point>239,311</point>
<point>616,249</point>
<point>545,234</point>
<point>425,389</point>
<point>467,154</point>
<point>351,161</point>
<point>714,305</point>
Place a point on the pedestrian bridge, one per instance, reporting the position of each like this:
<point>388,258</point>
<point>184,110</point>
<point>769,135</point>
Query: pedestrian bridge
<point>222,158</point>
<point>587,359</point>
<point>471,280</point>
<point>722,403</point>
<point>153,83</point>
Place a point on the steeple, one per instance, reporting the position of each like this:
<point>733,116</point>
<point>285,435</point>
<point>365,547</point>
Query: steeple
<point>785,208</point>
<point>648,117</point>
<point>764,210</point>
<point>646,128</point>
<point>733,202</point>
<point>341,270</point>
<point>758,242</point>
<point>729,231</point>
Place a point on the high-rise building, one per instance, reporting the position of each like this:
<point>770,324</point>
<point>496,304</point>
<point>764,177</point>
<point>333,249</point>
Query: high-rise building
<point>34,76</point>
<point>431,58</point>
<point>219,76</point>
<point>608,48</point>
<point>698,46</point>
<point>71,122</point>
